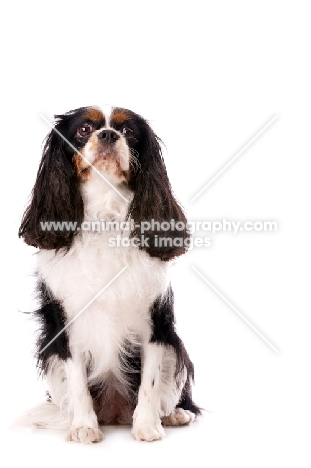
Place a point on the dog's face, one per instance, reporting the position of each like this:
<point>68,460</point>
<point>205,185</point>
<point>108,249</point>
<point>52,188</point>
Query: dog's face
<point>108,140</point>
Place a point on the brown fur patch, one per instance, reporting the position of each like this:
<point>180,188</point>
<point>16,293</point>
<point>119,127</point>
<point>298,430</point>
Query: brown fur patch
<point>82,169</point>
<point>127,175</point>
<point>119,117</point>
<point>113,408</point>
<point>93,114</point>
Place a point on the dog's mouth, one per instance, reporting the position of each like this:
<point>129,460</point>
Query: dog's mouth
<point>107,161</point>
<point>110,160</point>
<point>106,156</point>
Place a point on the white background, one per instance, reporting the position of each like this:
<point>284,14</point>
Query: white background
<point>208,76</point>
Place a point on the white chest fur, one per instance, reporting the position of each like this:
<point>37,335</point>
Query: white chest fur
<point>121,311</point>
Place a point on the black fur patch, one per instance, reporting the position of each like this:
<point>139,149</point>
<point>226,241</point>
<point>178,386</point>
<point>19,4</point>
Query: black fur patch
<point>52,320</point>
<point>154,198</point>
<point>55,197</point>
<point>164,332</point>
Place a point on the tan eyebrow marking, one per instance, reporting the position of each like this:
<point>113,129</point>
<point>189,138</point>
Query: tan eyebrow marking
<point>119,117</point>
<point>95,115</point>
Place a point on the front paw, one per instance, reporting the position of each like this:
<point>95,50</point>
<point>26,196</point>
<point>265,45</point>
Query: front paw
<point>148,430</point>
<point>84,434</point>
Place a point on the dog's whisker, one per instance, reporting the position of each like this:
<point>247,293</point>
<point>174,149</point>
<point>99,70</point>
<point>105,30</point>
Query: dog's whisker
<point>134,161</point>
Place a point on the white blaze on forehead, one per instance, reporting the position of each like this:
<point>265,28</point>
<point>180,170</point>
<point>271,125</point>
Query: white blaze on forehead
<point>107,111</point>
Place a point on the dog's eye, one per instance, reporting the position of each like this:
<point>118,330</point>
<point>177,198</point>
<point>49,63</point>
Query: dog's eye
<point>84,130</point>
<point>127,131</point>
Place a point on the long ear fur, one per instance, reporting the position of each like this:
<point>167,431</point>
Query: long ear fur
<point>55,197</point>
<point>154,200</point>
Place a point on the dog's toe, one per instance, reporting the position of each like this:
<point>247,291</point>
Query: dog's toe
<point>148,432</point>
<point>84,434</point>
<point>179,417</point>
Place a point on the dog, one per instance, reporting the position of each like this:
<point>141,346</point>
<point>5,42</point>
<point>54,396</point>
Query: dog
<point>107,343</point>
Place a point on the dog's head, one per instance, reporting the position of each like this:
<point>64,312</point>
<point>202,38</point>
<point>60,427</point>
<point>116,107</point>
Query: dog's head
<point>117,144</point>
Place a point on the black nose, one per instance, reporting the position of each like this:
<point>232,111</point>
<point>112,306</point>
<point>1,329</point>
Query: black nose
<point>108,136</point>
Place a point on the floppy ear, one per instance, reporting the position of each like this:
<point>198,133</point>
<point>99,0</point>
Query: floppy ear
<point>55,197</point>
<point>154,200</point>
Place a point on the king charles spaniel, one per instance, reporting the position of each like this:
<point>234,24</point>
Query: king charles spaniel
<point>107,343</point>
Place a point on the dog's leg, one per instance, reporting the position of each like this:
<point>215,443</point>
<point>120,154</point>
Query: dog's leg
<point>84,424</point>
<point>159,392</point>
<point>167,372</point>
<point>146,419</point>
